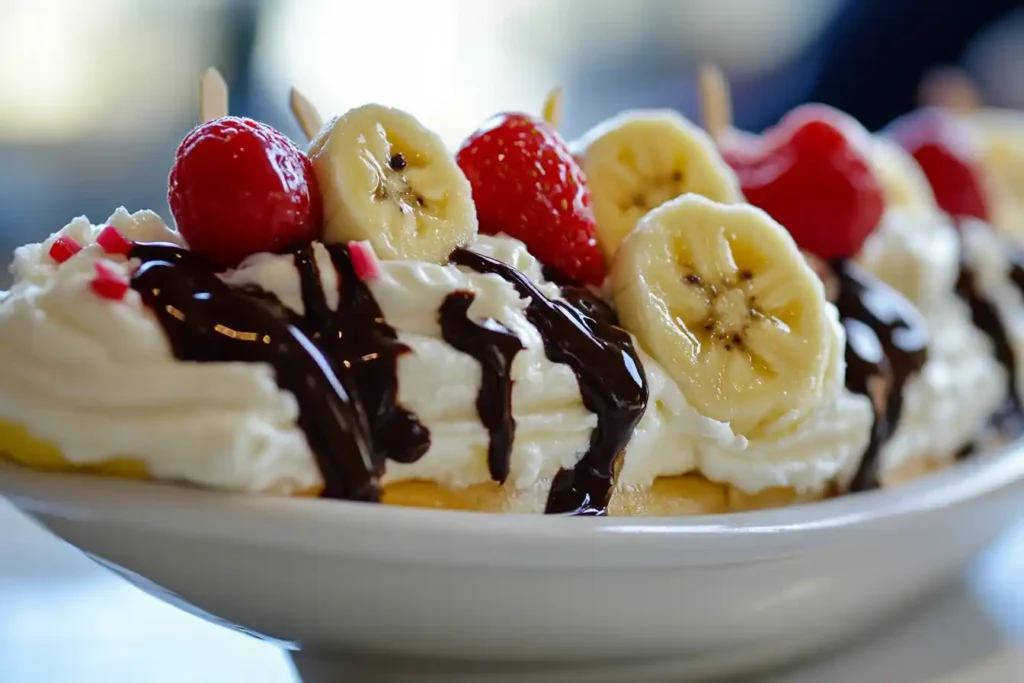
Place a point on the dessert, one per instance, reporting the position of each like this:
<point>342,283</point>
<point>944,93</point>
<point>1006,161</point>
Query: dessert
<point>523,325</point>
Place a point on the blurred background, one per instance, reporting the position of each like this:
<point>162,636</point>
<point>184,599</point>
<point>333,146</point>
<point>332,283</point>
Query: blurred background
<point>96,94</point>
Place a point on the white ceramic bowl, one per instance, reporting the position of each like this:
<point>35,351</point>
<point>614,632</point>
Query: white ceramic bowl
<point>716,594</point>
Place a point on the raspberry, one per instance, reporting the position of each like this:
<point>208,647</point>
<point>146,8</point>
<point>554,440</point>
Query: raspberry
<point>239,187</point>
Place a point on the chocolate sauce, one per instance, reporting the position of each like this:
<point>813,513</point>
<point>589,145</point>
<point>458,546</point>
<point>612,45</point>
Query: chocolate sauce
<point>584,301</point>
<point>580,297</point>
<point>363,347</point>
<point>866,305</point>
<point>555,276</point>
<point>986,318</point>
<point>205,320</point>
<point>494,347</point>
<point>611,378</point>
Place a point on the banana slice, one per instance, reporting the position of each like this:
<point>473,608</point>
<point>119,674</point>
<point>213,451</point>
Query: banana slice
<point>903,182</point>
<point>638,160</point>
<point>387,179</point>
<point>721,297</point>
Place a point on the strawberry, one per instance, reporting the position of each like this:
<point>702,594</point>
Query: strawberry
<point>812,174</point>
<point>946,150</point>
<point>527,185</point>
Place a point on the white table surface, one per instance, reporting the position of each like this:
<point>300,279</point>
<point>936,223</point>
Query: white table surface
<point>64,620</point>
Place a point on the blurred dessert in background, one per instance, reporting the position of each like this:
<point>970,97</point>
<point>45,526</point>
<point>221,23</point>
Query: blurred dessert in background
<point>860,207</point>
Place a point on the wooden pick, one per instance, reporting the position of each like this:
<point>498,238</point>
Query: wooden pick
<point>552,112</point>
<point>306,114</point>
<point>949,88</point>
<point>213,96</point>
<point>716,102</point>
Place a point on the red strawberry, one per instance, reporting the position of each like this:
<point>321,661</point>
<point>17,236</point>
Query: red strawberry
<point>811,173</point>
<point>239,187</point>
<point>527,185</point>
<point>946,149</point>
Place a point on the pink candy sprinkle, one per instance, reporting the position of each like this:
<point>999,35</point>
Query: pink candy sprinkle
<point>64,248</point>
<point>108,284</point>
<point>113,242</point>
<point>364,260</point>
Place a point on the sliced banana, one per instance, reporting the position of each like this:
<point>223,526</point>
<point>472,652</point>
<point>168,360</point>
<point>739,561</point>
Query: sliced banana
<point>638,160</point>
<point>387,179</point>
<point>904,184</point>
<point>721,297</point>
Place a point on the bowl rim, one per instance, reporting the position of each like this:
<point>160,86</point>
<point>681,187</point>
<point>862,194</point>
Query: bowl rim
<point>414,535</point>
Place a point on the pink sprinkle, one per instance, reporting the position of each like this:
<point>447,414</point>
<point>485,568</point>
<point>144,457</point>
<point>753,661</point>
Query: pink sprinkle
<point>108,284</point>
<point>364,260</point>
<point>113,242</point>
<point>64,248</point>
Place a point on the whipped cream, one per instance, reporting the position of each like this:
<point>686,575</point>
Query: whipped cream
<point>815,452</point>
<point>918,253</point>
<point>808,457</point>
<point>440,384</point>
<point>98,379</point>
<point>945,405</point>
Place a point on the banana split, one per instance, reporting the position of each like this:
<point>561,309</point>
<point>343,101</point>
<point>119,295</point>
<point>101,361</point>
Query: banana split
<point>644,322</point>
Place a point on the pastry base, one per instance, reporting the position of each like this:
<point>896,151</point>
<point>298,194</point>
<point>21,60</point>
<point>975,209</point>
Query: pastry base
<point>683,495</point>
<point>915,469</point>
<point>18,445</point>
<point>489,497</point>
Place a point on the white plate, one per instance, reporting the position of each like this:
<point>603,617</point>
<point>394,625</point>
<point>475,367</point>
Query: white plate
<point>717,594</point>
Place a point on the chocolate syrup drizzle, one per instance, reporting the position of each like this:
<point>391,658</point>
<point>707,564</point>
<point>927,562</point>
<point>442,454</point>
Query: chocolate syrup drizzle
<point>611,379</point>
<point>206,320</point>
<point>361,346</point>
<point>495,348</point>
<point>867,306</point>
<point>341,365</point>
<point>1009,420</point>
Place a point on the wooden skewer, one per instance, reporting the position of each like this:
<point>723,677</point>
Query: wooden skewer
<point>213,96</point>
<point>552,112</point>
<point>949,88</point>
<point>306,114</point>
<point>716,102</point>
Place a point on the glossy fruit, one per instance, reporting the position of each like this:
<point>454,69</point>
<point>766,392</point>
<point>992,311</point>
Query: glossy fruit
<point>239,187</point>
<point>944,148</point>
<point>811,173</point>
<point>527,185</point>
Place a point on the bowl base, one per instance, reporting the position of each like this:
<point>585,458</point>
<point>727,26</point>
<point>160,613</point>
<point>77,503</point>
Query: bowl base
<point>322,666</point>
